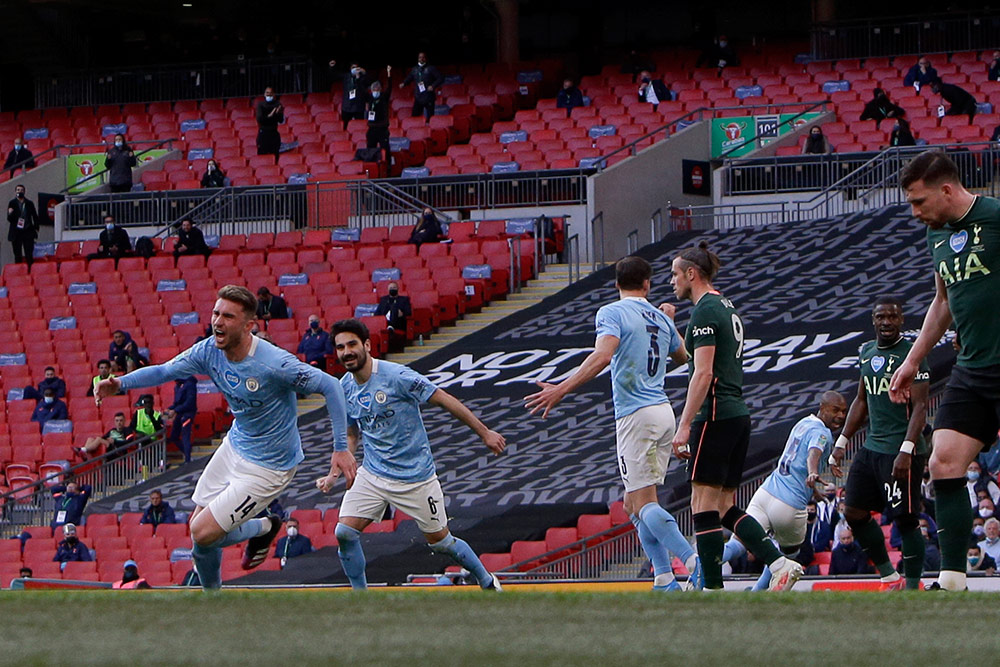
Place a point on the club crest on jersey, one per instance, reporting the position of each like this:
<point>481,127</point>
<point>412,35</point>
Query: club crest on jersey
<point>878,363</point>
<point>252,384</point>
<point>958,240</point>
<point>232,379</point>
<point>365,399</point>
<point>380,397</point>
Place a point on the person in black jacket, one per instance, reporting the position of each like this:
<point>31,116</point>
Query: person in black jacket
<point>182,411</point>
<point>214,177</point>
<point>960,101</point>
<point>69,501</point>
<point>113,241</point>
<point>428,230</point>
<point>51,381</point>
<point>159,510</point>
<point>270,306</point>
<point>922,74</point>
<point>720,54</point>
<point>396,309</point>
<point>881,107</point>
<point>848,557</point>
<point>901,134</point>
<point>652,90</point>
<point>18,156</point>
<point>270,113</point>
<point>377,110</point>
<point>119,160</point>
<point>355,86</point>
<point>190,241</point>
<point>426,80</point>
<point>71,548</point>
<point>993,69</point>
<point>569,97</point>
<point>23,230</point>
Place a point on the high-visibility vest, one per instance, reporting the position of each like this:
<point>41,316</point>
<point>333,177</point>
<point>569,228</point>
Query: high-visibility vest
<point>143,424</point>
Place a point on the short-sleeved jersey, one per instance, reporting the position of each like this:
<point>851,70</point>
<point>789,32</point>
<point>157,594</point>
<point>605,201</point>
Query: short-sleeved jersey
<point>714,321</point>
<point>887,421</point>
<point>386,410</point>
<point>261,392</point>
<point>788,481</point>
<point>646,338</point>
<point>967,258</point>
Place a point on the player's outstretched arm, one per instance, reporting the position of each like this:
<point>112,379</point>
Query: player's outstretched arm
<point>701,380</point>
<point>936,323</point>
<point>551,394</point>
<point>491,439</point>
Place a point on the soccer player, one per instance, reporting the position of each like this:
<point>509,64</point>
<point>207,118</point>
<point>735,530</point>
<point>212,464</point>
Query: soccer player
<point>714,429</point>
<point>258,457</point>
<point>636,338</point>
<point>887,471</point>
<point>383,411</point>
<point>963,237</point>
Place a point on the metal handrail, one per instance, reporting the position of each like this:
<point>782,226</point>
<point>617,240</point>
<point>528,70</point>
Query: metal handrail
<point>156,143</point>
<point>787,121</point>
<point>571,243</point>
<point>632,242</point>
<point>655,224</point>
<point>597,219</point>
<point>514,276</point>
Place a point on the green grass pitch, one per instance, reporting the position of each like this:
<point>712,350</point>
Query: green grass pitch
<point>459,628</point>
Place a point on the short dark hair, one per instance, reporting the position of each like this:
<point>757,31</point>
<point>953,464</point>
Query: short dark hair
<point>104,361</point>
<point>120,414</point>
<point>932,167</point>
<point>887,300</point>
<point>156,491</point>
<point>50,368</point>
<point>242,296</point>
<point>632,271</point>
<point>703,259</point>
<point>351,326</point>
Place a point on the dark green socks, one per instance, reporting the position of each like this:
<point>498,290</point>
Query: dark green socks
<point>954,519</point>
<point>710,542</point>
<point>751,534</point>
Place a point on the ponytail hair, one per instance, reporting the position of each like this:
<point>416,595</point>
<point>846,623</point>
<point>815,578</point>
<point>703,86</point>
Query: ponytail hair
<point>703,259</point>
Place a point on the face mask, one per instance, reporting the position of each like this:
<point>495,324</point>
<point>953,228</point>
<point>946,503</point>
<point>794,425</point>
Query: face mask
<point>923,531</point>
<point>646,79</point>
<point>811,516</point>
<point>292,531</point>
<point>314,325</point>
<point>841,515</point>
<point>269,98</point>
<point>211,167</point>
<point>973,560</point>
<point>50,399</point>
<point>973,476</point>
<point>17,147</point>
<point>985,512</point>
<point>109,226</point>
<point>376,94</point>
<point>420,64</point>
<point>978,531</point>
<point>72,539</point>
<point>393,292</point>
<point>20,195</point>
<point>118,144</point>
<point>356,71</point>
<point>723,43</point>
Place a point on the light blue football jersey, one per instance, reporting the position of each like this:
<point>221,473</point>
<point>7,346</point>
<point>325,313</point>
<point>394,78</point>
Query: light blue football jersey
<point>386,410</point>
<point>788,482</point>
<point>261,392</point>
<point>646,338</point>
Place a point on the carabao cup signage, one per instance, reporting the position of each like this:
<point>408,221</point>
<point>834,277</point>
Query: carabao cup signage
<point>80,166</point>
<point>737,134</point>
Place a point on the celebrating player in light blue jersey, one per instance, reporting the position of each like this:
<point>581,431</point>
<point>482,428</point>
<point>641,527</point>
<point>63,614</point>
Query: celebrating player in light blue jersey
<point>259,455</point>
<point>636,338</point>
<point>383,410</point>
<point>779,505</point>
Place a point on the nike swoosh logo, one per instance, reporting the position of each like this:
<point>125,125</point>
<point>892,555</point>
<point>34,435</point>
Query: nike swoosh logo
<point>939,243</point>
<point>865,361</point>
<point>897,504</point>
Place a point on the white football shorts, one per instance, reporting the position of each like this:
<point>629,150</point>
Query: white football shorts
<point>644,445</point>
<point>369,495</point>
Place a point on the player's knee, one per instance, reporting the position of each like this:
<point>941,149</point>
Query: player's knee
<point>856,517</point>
<point>443,545</point>
<point>907,523</point>
<point>345,533</point>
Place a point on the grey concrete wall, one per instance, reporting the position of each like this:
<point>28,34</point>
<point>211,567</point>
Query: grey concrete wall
<point>49,177</point>
<point>630,191</point>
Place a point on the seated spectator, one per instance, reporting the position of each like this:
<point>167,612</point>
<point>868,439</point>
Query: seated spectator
<point>652,90</point>
<point>71,548</point>
<point>123,351</point>
<point>159,510</point>
<point>182,413</point>
<point>848,557</point>
<point>980,562</point>
<point>932,554</point>
<point>25,573</point>
<point>993,69</point>
<point>293,544</point>
<point>819,532</point>
<point>395,309</point>
<point>270,306</point>
<point>315,344</point>
<point>960,101</point>
<point>901,134</point>
<point>214,177</point>
<point>51,381</point>
<point>190,240</point>
<point>816,143</point>
<point>990,544</point>
<point>978,528</point>
<point>113,242</point>
<point>569,97</point>
<point>19,154</point>
<point>69,503</point>
<point>130,578</point>
<point>986,507</point>
<point>48,408</point>
<point>428,230</point>
<point>145,420</point>
<point>921,74</point>
<point>115,439</point>
<point>719,54</point>
<point>977,481</point>
<point>881,107</point>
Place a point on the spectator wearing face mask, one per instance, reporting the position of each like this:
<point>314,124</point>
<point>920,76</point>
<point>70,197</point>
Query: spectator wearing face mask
<point>48,408</point>
<point>19,158</point>
<point>71,548</point>
<point>720,54</point>
<point>396,309</point>
<point>880,107</point>
<point>986,508</point>
<point>819,532</point>
<point>428,230</point>
<point>294,543</point>
<point>990,544</point>
<point>377,112</point>
<point>113,242</point>
<point>848,557</point>
<point>213,177</point>
<point>932,553</point>
<point>980,562</point>
<point>130,578</point>
<point>901,134</point>
<point>315,344</point>
<point>190,240</point>
<point>652,90</point>
<point>569,97</point>
<point>270,113</point>
<point>23,226</point>
<point>816,143</point>
<point>976,481</point>
<point>356,83</point>
<point>119,160</point>
<point>270,306</point>
<point>921,74</point>
<point>426,79</point>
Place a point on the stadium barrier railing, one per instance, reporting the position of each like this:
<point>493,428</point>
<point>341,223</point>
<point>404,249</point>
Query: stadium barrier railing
<point>110,473</point>
<point>905,35</point>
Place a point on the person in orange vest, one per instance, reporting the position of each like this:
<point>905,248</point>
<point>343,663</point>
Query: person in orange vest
<point>130,577</point>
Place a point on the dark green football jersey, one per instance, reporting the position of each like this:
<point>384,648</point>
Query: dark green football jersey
<point>887,421</point>
<point>967,258</point>
<point>714,321</point>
